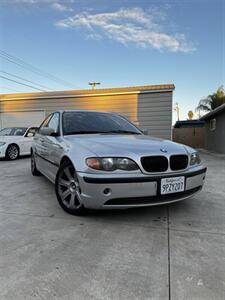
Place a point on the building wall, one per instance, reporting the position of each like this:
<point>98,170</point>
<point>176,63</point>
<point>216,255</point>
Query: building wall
<point>155,114</point>
<point>215,139</point>
<point>151,111</point>
<point>193,137</point>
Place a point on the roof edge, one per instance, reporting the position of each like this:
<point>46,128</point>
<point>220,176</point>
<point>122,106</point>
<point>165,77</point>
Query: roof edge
<point>89,92</point>
<point>213,112</point>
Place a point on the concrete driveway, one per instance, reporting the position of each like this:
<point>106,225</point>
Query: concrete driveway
<point>167,252</point>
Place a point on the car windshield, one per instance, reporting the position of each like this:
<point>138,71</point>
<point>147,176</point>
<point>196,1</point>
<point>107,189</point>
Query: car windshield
<point>13,131</point>
<point>93,122</point>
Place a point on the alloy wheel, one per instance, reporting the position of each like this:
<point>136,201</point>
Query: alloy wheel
<point>68,188</point>
<point>12,152</point>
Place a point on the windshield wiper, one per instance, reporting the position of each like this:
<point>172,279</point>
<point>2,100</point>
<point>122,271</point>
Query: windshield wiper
<point>121,131</point>
<point>82,132</point>
<point>101,132</point>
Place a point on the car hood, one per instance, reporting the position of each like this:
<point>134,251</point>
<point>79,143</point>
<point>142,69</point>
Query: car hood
<point>125,145</point>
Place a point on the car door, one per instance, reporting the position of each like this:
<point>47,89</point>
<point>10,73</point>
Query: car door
<point>17,137</point>
<point>53,146</point>
<point>39,147</point>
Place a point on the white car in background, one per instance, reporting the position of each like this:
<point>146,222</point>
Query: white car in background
<point>16,141</point>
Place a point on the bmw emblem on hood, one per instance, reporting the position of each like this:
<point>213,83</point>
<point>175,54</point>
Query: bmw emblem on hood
<point>163,150</point>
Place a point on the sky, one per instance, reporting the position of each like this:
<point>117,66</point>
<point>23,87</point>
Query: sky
<point>68,43</point>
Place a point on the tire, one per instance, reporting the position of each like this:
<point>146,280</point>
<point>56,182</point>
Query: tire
<point>68,190</point>
<point>33,166</point>
<point>12,152</point>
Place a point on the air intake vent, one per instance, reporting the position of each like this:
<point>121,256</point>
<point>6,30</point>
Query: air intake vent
<point>178,162</point>
<point>155,163</point>
<point>153,199</point>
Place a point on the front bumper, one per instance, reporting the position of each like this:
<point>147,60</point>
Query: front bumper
<point>135,190</point>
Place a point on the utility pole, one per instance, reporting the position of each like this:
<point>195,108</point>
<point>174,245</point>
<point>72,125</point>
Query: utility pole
<point>93,84</point>
<point>177,109</point>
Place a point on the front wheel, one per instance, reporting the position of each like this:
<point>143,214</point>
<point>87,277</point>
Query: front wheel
<point>12,152</point>
<point>68,191</point>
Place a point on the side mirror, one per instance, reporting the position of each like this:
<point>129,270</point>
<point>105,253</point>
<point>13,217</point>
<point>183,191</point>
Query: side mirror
<point>48,131</point>
<point>30,134</point>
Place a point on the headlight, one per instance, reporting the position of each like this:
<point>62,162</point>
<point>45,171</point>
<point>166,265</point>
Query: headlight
<point>111,163</point>
<point>108,164</point>
<point>195,159</point>
<point>2,144</point>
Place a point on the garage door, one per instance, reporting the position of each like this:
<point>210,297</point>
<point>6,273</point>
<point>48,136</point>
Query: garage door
<point>21,118</point>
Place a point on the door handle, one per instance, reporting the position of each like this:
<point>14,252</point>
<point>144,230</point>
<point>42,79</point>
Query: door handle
<point>42,140</point>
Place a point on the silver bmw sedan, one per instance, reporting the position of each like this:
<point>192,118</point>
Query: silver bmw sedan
<point>100,160</point>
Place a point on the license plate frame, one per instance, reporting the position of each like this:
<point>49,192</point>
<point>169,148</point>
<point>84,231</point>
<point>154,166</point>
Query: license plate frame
<point>172,185</point>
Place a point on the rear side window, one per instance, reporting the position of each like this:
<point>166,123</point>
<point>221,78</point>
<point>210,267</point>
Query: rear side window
<point>14,131</point>
<point>5,131</point>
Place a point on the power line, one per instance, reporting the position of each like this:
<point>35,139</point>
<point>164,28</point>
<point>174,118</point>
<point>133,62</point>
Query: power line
<point>31,68</point>
<point>9,89</point>
<point>21,83</point>
<point>40,85</point>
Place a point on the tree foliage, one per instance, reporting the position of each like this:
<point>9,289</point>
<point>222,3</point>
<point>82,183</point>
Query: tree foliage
<point>212,101</point>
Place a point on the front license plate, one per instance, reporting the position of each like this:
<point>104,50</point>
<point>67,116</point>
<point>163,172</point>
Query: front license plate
<point>172,185</point>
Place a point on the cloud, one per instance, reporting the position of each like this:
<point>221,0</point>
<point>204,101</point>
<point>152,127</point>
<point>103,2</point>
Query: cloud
<point>130,26</point>
<point>33,1</point>
<point>60,7</point>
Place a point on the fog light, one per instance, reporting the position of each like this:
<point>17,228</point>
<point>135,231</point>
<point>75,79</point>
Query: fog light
<point>107,191</point>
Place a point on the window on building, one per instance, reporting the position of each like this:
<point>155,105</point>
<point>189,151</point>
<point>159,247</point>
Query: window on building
<point>212,124</point>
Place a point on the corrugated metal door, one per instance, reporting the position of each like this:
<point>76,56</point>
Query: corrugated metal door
<point>21,118</point>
